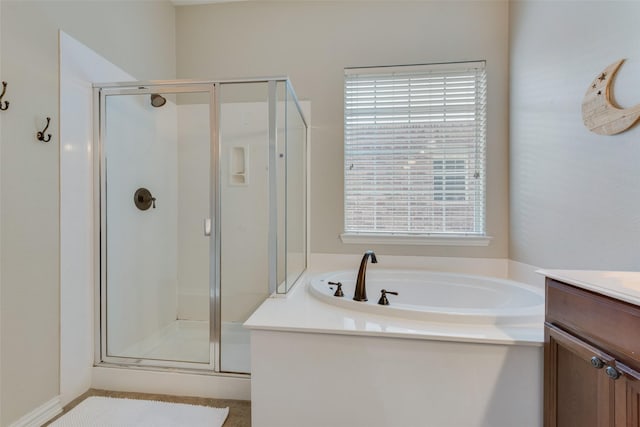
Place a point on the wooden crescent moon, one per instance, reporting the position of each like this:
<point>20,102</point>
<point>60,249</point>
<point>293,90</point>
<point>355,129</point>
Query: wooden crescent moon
<point>600,113</point>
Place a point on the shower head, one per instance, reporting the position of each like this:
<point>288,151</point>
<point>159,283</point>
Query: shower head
<point>158,100</point>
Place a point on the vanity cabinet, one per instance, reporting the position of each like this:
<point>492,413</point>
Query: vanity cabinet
<point>591,358</point>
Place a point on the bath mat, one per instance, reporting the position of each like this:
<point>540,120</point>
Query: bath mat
<point>97,411</point>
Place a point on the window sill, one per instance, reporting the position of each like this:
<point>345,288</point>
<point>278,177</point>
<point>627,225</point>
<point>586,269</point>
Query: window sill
<point>403,239</point>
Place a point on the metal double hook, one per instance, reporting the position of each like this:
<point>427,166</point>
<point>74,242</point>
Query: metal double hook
<point>41,133</point>
<point>6,103</point>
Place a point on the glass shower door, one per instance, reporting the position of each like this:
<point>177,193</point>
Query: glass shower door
<point>244,215</point>
<point>157,244</point>
<point>201,216</point>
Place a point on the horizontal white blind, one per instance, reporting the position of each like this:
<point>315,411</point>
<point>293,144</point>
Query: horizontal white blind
<point>414,149</point>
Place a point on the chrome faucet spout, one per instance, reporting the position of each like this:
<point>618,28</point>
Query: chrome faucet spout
<point>361,286</point>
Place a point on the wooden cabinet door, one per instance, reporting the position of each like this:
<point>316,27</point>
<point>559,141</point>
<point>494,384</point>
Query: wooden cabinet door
<point>577,393</point>
<point>627,402</point>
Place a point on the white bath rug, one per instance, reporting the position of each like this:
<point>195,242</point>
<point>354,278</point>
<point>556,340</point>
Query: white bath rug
<point>99,411</point>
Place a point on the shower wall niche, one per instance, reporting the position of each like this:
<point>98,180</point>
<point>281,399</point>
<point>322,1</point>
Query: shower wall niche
<point>201,214</point>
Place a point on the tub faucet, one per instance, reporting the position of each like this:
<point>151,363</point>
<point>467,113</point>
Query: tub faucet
<point>361,286</point>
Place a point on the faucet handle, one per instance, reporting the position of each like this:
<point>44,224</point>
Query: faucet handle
<point>383,297</point>
<point>338,292</point>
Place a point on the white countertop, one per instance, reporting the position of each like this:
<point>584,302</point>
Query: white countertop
<point>622,285</point>
<point>300,311</point>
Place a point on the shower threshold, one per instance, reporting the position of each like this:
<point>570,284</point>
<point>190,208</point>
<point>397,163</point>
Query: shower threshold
<point>188,341</point>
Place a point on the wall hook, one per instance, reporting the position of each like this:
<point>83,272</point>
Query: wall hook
<point>41,133</point>
<point>6,103</point>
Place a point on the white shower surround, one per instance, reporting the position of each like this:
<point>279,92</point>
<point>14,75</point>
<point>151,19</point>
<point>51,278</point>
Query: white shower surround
<point>80,67</point>
<point>349,367</point>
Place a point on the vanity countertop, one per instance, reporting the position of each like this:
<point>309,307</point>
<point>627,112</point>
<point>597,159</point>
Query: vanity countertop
<point>621,285</point>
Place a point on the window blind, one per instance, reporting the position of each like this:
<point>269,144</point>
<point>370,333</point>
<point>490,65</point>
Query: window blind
<point>414,149</point>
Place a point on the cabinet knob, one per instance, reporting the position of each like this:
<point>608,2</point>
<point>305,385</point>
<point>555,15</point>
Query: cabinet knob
<point>596,362</point>
<point>612,373</point>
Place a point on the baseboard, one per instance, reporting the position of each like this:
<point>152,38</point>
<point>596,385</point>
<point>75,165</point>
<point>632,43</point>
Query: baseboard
<point>40,415</point>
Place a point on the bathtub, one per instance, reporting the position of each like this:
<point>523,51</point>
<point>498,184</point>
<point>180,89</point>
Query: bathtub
<point>447,341</point>
<point>433,296</point>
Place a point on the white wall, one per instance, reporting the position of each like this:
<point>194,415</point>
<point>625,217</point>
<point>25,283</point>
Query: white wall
<point>1,222</point>
<point>313,41</point>
<point>79,67</point>
<point>29,170</point>
<point>575,198</point>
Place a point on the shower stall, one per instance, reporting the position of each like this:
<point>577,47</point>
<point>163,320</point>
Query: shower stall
<point>201,214</point>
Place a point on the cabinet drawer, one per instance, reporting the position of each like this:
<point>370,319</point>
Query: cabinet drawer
<point>600,320</point>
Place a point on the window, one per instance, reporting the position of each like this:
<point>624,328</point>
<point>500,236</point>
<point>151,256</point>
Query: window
<point>449,180</point>
<point>414,150</point>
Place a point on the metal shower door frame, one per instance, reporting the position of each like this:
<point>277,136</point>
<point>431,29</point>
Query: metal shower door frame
<point>101,91</point>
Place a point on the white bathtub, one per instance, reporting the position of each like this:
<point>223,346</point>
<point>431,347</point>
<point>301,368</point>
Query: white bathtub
<point>440,297</point>
<point>445,339</point>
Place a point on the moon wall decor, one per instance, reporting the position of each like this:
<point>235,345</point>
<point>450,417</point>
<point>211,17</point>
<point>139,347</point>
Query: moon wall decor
<point>600,113</point>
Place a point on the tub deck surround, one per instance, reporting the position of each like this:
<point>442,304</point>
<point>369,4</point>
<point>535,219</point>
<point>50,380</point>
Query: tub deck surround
<point>301,311</point>
<point>331,365</point>
<point>621,285</point>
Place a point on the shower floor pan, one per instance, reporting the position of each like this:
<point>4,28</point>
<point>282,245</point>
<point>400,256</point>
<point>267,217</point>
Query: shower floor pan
<point>188,341</point>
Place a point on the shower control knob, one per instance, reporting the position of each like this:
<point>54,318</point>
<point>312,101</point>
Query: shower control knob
<point>596,362</point>
<point>143,199</point>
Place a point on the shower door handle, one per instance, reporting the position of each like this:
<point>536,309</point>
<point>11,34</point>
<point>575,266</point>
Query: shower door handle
<point>207,227</point>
